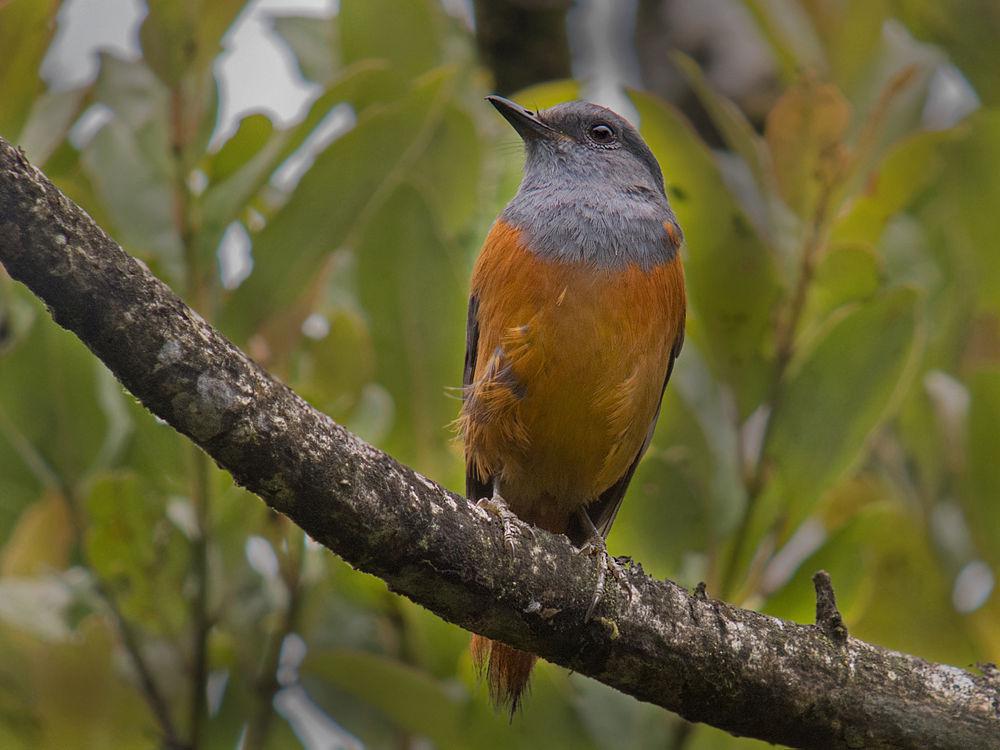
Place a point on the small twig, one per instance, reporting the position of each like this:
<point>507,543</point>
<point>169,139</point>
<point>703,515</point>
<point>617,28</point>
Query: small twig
<point>150,690</point>
<point>787,330</point>
<point>827,615</point>
<point>199,601</point>
<point>129,639</point>
<point>266,684</point>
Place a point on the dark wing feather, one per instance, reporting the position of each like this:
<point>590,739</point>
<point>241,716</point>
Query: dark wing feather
<point>475,487</point>
<point>603,510</point>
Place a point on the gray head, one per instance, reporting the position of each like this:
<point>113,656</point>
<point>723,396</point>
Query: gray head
<point>592,190</point>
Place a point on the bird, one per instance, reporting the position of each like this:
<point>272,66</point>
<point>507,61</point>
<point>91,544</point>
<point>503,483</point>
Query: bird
<point>576,314</point>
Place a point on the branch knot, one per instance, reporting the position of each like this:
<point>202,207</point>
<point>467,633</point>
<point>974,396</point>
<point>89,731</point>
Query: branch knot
<point>828,617</point>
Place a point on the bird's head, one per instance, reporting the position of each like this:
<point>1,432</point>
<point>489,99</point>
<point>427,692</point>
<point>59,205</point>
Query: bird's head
<point>582,143</point>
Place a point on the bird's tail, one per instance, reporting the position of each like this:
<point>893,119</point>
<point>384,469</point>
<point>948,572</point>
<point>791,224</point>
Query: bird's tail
<point>507,671</point>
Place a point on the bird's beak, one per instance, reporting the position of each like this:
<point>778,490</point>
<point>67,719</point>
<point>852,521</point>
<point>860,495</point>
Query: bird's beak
<point>524,121</point>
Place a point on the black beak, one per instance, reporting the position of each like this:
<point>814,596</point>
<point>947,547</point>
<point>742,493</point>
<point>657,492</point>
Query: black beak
<point>524,121</point>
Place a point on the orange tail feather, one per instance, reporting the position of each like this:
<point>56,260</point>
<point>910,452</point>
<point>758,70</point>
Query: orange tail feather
<point>507,671</point>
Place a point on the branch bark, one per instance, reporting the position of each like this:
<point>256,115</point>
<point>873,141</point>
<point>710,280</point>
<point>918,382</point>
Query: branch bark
<point>745,672</point>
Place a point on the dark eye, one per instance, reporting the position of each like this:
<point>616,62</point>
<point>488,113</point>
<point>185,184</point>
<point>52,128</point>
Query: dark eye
<point>602,133</point>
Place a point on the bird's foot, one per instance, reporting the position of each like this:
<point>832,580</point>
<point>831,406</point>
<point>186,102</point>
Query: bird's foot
<point>498,507</point>
<point>597,547</point>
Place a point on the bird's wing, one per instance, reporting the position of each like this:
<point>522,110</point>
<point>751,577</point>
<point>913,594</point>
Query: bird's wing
<point>603,510</point>
<point>475,487</point>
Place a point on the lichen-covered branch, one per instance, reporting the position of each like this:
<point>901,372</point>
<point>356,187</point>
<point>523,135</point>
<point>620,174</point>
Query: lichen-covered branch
<point>802,685</point>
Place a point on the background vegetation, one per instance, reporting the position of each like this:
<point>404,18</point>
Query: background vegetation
<point>837,403</point>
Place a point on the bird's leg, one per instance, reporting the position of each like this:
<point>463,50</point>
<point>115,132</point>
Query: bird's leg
<point>598,547</point>
<point>499,508</point>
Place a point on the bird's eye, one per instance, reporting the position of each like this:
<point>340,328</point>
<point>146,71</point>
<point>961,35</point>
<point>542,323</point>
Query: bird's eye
<point>602,133</point>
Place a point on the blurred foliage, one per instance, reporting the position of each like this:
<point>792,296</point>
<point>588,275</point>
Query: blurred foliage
<point>836,406</point>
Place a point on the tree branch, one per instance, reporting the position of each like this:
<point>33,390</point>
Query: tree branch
<point>745,672</point>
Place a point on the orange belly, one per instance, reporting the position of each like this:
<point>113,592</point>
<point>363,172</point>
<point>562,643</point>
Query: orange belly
<point>570,369</point>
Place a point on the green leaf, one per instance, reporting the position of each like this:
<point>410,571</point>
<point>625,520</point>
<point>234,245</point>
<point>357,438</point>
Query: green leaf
<point>135,549</point>
<point>732,280</point>
<point>51,417</point>
<point>182,36</point>
<point>42,539</point>
<point>253,134</point>
<point>407,36</point>
<point>844,274</point>
<point>665,518</point>
<point>835,397</point>
<point>344,186</point>
<point>545,95</point>
<point>908,605</point>
<point>224,728</point>
<point>910,166</point>
<point>332,372</point>
<point>448,171</point>
<point>249,158</point>
<point>981,489</point>
<point>168,41</point>
<point>412,700</point>
<point>18,312</point>
<point>411,285</point>
<point>849,554</point>
<point>251,154</point>
<point>909,259</point>
<point>155,451</point>
<point>26,27</point>
<point>804,133</point>
<point>970,194</point>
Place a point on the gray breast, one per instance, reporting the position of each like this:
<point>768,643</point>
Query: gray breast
<point>604,228</point>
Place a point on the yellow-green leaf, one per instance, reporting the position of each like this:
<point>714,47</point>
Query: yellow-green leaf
<point>835,397</point>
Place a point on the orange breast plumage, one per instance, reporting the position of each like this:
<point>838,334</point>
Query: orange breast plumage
<point>571,365</point>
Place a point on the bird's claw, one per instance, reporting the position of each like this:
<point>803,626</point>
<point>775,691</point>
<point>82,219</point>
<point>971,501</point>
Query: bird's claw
<point>497,507</point>
<point>597,547</point>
